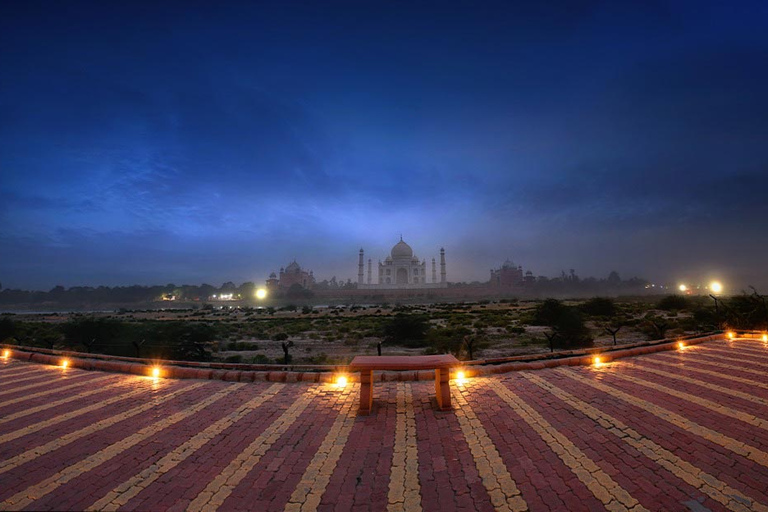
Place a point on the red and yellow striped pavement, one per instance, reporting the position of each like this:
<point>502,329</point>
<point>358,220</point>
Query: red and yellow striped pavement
<point>681,430</point>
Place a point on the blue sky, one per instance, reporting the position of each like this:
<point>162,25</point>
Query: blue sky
<point>193,142</point>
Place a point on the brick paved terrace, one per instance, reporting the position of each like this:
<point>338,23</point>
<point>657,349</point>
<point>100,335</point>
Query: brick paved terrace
<point>676,430</point>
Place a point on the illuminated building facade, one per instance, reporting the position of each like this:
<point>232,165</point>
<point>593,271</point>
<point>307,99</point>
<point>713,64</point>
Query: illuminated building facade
<point>290,275</point>
<point>402,269</point>
<point>507,276</point>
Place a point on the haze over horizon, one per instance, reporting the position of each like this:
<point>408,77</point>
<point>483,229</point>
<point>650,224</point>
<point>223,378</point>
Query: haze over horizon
<point>191,142</point>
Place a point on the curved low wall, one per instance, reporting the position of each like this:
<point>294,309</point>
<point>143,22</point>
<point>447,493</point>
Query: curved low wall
<point>322,373</point>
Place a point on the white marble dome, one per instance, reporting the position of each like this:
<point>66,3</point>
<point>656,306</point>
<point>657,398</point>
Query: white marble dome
<point>402,250</point>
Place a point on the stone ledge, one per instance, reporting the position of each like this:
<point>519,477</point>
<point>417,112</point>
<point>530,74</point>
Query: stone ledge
<point>234,372</point>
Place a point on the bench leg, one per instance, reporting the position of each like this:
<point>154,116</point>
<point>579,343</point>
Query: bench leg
<point>443,388</point>
<point>366,391</point>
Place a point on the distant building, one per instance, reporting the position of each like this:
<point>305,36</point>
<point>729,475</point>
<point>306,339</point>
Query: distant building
<point>225,297</point>
<point>290,275</point>
<point>402,269</point>
<point>508,276</point>
<point>273,283</point>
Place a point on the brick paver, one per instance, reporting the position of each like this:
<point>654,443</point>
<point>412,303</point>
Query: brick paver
<point>682,430</point>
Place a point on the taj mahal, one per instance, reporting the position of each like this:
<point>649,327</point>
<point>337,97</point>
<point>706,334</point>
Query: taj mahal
<point>402,269</point>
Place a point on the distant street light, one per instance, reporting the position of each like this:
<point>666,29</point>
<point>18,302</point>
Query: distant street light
<point>261,294</point>
<point>716,287</point>
<point>682,288</point>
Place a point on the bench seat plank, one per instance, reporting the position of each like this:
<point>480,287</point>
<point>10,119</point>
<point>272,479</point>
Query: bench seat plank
<point>403,362</point>
<point>440,363</point>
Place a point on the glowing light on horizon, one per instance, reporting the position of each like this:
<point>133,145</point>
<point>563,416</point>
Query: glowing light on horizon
<point>682,288</point>
<point>716,287</point>
<point>261,293</point>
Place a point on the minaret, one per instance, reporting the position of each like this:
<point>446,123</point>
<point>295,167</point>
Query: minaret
<point>369,270</point>
<point>434,271</point>
<point>442,265</point>
<point>360,268</point>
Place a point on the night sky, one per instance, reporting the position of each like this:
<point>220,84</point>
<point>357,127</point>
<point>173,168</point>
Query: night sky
<point>191,142</point>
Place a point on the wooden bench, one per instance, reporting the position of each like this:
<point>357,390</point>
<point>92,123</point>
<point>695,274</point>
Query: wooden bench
<point>442,365</point>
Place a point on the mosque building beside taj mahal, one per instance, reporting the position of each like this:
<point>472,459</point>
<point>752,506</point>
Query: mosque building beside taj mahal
<point>402,269</point>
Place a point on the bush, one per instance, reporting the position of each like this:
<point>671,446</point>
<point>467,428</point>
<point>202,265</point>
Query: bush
<point>406,330</point>
<point>447,340</point>
<point>655,327</point>
<point>599,306</point>
<point>90,333</point>
<point>241,345</point>
<point>673,303</point>
<point>7,329</point>
<point>747,312</point>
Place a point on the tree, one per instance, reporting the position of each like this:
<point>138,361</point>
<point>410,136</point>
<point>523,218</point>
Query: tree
<point>548,312</point>
<point>247,290</point>
<point>137,346</point>
<point>613,329</point>
<point>567,323</point>
<point>551,339</point>
<point>474,342</point>
<point>286,356</point>
<point>614,279</point>
<point>571,330</point>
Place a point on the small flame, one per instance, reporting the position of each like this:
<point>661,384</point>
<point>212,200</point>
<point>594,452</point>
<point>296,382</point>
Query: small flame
<point>341,381</point>
<point>64,363</point>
